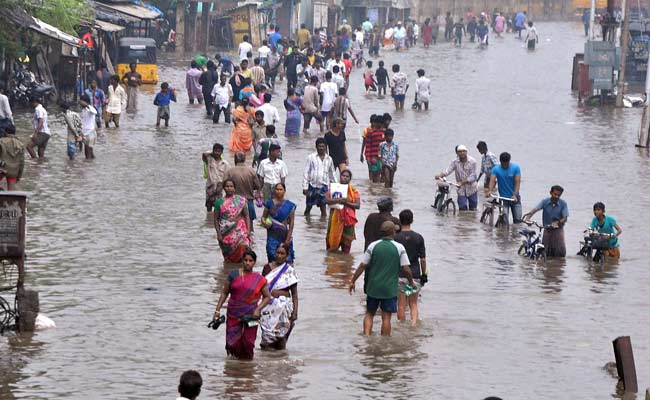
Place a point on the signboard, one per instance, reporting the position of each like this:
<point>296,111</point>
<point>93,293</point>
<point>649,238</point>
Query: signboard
<point>373,15</point>
<point>321,12</point>
<point>12,224</point>
<point>240,21</point>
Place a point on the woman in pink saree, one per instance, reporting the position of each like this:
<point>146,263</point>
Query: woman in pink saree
<point>232,223</point>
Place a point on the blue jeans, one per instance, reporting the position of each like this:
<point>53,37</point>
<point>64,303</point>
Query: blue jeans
<point>515,207</point>
<point>387,305</point>
<point>472,200</point>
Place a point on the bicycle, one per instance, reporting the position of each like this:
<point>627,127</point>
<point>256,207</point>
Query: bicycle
<point>532,247</point>
<point>595,243</point>
<point>443,201</point>
<point>488,211</point>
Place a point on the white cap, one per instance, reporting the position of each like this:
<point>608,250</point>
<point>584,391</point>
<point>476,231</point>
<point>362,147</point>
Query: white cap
<point>461,147</point>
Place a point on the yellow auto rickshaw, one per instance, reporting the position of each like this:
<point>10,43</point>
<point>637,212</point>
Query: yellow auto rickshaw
<point>142,52</point>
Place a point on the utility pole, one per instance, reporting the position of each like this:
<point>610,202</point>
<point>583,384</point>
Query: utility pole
<point>624,43</point>
<point>644,131</point>
<point>591,19</point>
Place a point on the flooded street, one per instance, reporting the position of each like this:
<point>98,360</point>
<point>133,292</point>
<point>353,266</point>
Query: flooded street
<point>130,271</point>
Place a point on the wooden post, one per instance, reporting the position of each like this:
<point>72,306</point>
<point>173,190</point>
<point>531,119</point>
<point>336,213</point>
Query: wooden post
<point>205,26</point>
<point>180,25</point>
<point>28,308</point>
<point>625,363</point>
<point>624,43</point>
<point>190,28</point>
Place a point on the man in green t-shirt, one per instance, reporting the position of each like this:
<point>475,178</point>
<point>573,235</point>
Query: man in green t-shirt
<point>382,263</point>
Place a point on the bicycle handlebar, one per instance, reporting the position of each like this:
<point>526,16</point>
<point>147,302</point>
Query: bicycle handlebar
<point>501,198</point>
<point>529,223</point>
<point>445,181</point>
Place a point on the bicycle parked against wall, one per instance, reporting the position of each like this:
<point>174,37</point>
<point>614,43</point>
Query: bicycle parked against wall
<point>443,201</point>
<point>498,202</point>
<point>593,245</point>
<point>532,247</point>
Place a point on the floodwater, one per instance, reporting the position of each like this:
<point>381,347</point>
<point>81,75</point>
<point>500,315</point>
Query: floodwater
<point>130,271</point>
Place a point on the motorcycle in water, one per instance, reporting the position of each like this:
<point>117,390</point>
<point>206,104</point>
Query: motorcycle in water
<point>25,87</point>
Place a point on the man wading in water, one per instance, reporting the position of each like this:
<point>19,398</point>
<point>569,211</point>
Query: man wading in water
<point>554,215</point>
<point>382,263</point>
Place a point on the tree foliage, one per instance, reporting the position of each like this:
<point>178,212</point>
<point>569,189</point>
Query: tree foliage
<point>63,14</point>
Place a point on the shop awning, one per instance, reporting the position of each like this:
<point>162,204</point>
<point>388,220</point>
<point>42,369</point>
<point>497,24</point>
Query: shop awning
<point>107,26</point>
<point>132,10</point>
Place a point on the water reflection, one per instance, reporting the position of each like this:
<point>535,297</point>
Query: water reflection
<point>551,275</point>
<point>602,275</point>
<point>340,268</point>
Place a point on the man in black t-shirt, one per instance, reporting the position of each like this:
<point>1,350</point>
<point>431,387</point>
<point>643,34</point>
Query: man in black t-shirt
<point>413,242</point>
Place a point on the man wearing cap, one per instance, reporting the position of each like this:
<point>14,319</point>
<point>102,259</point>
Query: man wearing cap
<point>464,167</point>
<point>382,263</point>
<point>371,231</point>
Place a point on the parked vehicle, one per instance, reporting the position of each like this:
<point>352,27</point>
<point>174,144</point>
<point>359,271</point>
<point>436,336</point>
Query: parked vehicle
<point>142,52</point>
<point>24,86</point>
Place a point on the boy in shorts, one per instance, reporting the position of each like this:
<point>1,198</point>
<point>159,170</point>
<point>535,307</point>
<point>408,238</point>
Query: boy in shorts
<point>162,100</point>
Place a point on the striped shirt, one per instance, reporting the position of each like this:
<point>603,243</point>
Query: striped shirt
<point>373,139</point>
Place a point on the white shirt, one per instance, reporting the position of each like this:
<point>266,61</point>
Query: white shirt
<point>272,172</point>
<point>264,51</point>
<point>332,62</point>
<point>318,172</point>
<point>416,30</point>
<point>359,36</point>
<point>329,91</point>
<point>88,120</point>
<point>41,113</point>
<point>423,88</point>
<point>5,108</point>
<point>116,99</point>
<point>339,80</point>
<point>222,94</point>
<point>244,48</point>
<point>271,115</point>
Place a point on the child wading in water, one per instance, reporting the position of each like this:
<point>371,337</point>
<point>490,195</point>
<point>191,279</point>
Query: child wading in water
<point>389,155</point>
<point>531,37</point>
<point>369,79</point>
<point>459,31</point>
<point>162,100</point>
<point>382,80</point>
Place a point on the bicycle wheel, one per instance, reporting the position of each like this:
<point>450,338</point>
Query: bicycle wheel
<point>522,250</point>
<point>8,276</point>
<point>501,221</point>
<point>450,205</point>
<point>437,203</point>
<point>486,215</point>
<point>541,256</point>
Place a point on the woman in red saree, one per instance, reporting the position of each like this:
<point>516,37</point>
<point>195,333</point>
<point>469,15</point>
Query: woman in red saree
<point>427,32</point>
<point>245,289</point>
<point>342,222</point>
<point>241,137</point>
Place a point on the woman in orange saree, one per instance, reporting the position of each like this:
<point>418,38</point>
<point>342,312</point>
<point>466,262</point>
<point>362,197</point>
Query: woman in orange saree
<point>241,137</point>
<point>340,228</point>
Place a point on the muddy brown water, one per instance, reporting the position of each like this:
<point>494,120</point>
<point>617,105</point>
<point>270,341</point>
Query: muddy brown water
<point>129,270</point>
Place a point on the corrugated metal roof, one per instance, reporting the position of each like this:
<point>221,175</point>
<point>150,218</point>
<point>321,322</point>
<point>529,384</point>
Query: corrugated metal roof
<point>107,26</point>
<point>133,10</point>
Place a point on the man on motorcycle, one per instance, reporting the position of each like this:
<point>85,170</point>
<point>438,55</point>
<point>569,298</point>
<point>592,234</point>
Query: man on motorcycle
<point>555,213</point>
<point>464,168</point>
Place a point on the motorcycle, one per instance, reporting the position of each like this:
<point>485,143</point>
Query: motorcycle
<point>593,244</point>
<point>25,87</point>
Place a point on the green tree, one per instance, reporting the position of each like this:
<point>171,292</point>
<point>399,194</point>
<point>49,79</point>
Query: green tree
<point>64,14</point>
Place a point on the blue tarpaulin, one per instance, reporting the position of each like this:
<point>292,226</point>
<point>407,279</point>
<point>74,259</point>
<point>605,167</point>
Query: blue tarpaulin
<point>149,6</point>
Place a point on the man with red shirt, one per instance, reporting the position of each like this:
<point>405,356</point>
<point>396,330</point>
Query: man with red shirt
<point>348,68</point>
